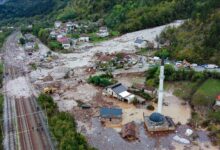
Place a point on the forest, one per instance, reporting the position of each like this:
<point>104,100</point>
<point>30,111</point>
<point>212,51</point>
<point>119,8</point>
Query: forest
<point>198,39</point>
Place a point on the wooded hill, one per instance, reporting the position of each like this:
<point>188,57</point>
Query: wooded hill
<point>198,40</point>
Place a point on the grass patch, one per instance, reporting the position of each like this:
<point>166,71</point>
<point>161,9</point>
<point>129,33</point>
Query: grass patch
<point>184,89</point>
<point>102,80</point>
<point>206,93</point>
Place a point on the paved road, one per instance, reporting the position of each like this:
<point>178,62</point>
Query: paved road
<point>24,122</point>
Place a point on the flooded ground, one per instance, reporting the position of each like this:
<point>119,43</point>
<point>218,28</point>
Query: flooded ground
<point>108,139</point>
<point>74,88</point>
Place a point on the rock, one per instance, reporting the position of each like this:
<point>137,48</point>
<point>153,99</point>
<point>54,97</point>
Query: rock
<point>189,132</point>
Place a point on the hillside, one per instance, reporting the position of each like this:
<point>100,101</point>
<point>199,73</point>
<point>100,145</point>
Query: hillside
<point>198,40</point>
<point>126,16</point>
<point>13,10</point>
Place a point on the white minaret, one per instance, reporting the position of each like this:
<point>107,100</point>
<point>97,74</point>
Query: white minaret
<point>160,93</point>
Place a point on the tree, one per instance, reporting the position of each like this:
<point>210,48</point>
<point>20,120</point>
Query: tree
<point>22,41</point>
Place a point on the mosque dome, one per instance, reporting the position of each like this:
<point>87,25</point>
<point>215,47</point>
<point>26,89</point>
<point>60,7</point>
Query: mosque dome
<point>157,118</point>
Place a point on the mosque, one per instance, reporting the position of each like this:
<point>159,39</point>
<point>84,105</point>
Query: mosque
<point>157,121</point>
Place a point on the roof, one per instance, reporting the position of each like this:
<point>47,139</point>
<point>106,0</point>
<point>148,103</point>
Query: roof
<point>110,112</point>
<point>62,39</point>
<point>124,94</point>
<point>129,129</point>
<point>218,98</point>
<point>139,41</point>
<point>156,117</point>
<point>118,88</point>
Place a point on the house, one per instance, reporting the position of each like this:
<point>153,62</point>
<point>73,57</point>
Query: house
<point>66,44</point>
<point>130,131</point>
<point>53,34</point>
<point>120,92</point>
<point>103,32</point>
<point>84,38</point>
<point>57,24</point>
<point>217,102</point>
<point>111,115</point>
<point>140,43</point>
<point>69,26</point>
<point>29,46</point>
<point>62,39</point>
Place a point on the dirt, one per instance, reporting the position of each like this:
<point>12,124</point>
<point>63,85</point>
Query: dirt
<point>18,88</point>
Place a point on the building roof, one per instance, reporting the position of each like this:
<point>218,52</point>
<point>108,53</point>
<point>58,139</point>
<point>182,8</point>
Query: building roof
<point>139,41</point>
<point>129,130</point>
<point>218,98</point>
<point>110,112</point>
<point>156,117</point>
<point>124,94</point>
<point>118,88</point>
<point>62,39</point>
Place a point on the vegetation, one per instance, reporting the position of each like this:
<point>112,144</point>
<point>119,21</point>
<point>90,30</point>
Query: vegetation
<point>102,80</point>
<point>29,11</point>
<point>63,126</point>
<point>178,75</point>
<point>150,107</point>
<point>198,39</point>
<point>3,35</point>
<point>125,16</point>
<point>206,93</point>
<point>22,41</point>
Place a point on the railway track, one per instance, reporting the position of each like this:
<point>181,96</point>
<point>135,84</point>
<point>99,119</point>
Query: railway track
<point>24,123</point>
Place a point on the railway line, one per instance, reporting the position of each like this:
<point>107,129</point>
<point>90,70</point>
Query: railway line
<point>25,126</point>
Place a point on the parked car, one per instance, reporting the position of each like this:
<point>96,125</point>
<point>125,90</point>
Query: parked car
<point>194,65</point>
<point>211,66</point>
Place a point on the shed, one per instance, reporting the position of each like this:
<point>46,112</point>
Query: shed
<point>111,115</point>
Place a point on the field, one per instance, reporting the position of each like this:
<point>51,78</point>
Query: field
<point>184,90</point>
<point>206,93</point>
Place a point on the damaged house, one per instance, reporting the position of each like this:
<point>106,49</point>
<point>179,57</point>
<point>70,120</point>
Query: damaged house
<point>130,131</point>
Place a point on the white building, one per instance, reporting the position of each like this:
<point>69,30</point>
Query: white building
<point>57,24</point>
<point>84,38</point>
<point>120,92</point>
<point>66,45</point>
<point>140,43</point>
<point>103,32</point>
